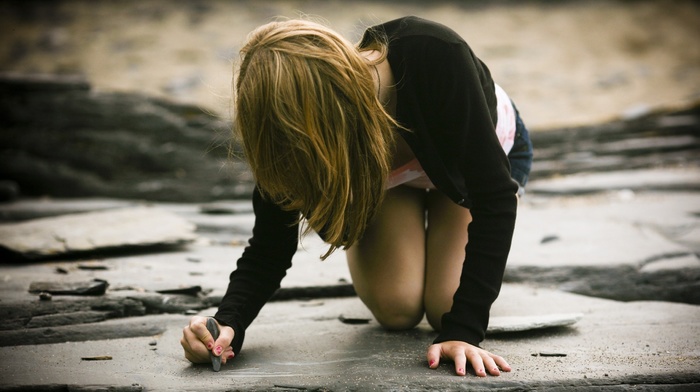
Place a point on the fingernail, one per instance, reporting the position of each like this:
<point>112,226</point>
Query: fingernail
<point>460,370</point>
<point>210,345</point>
<point>432,362</point>
<point>218,350</point>
<point>230,356</point>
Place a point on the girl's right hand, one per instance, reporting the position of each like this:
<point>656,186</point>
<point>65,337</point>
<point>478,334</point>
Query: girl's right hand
<point>198,342</point>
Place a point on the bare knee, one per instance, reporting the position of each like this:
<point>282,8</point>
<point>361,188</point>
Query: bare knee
<point>397,315</point>
<point>434,319</point>
<point>435,307</point>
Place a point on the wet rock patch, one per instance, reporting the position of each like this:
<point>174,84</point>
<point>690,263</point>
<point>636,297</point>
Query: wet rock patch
<point>621,282</point>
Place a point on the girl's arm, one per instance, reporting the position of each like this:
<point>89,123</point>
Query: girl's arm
<point>455,94</point>
<point>261,267</point>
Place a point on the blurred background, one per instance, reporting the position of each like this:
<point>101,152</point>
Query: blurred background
<point>563,62</point>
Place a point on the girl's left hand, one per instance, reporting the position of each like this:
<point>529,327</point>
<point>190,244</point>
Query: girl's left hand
<point>461,352</point>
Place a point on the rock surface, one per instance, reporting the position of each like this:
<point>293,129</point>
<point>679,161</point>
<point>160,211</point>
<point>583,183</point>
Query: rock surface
<point>613,211</point>
<point>95,231</point>
<point>88,143</point>
<point>295,346</point>
<point>622,245</point>
<point>635,246</point>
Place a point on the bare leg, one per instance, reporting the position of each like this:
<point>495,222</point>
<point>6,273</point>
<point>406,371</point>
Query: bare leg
<point>447,238</point>
<point>399,269</point>
<point>388,265</point>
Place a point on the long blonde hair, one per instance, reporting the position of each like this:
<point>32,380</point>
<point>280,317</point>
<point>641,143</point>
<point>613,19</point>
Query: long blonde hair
<point>316,137</point>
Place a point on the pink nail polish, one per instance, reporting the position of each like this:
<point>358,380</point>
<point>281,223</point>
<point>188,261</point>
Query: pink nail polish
<point>460,370</point>
<point>432,362</point>
<point>210,345</point>
<point>218,350</point>
<point>230,356</point>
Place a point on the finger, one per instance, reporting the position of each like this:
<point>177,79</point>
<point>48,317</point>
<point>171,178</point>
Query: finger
<point>433,356</point>
<point>490,364</point>
<point>460,360</point>
<point>190,358</point>
<point>477,363</point>
<point>501,363</point>
<point>227,355</point>
<point>224,341</point>
<point>198,326</point>
<point>193,346</point>
<point>183,340</point>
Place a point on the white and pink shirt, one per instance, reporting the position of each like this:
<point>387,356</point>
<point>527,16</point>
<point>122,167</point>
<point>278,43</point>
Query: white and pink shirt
<point>412,174</point>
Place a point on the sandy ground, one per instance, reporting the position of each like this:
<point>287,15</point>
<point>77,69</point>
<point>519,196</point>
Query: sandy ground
<point>564,63</point>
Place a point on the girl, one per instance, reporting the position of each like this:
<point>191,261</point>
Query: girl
<point>395,150</point>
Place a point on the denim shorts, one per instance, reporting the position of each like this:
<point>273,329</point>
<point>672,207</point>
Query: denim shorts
<point>520,156</point>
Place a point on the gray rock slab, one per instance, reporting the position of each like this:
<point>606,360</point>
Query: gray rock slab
<point>32,208</point>
<point>606,229</point>
<point>686,178</point>
<point>197,264</point>
<point>503,324</point>
<point>92,287</point>
<point>301,345</point>
<point>689,262</point>
<point>100,331</point>
<point>621,245</point>
<point>129,227</point>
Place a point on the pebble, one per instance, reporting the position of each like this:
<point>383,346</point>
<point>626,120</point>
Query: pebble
<point>353,320</point>
<point>549,238</point>
<point>97,358</point>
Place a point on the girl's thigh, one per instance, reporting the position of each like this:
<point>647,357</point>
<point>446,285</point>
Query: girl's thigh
<point>447,238</point>
<point>388,264</point>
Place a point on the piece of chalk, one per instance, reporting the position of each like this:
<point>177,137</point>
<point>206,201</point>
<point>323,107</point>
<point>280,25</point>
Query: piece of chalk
<point>214,331</point>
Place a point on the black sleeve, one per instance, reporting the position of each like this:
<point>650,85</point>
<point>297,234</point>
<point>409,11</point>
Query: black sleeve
<point>457,96</point>
<point>261,267</point>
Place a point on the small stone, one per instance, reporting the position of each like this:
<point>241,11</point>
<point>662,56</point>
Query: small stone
<point>44,296</point>
<point>61,270</point>
<point>546,354</point>
<point>97,358</point>
<point>353,320</point>
<point>190,312</point>
<point>187,290</point>
<point>549,238</point>
<point>153,343</point>
<point>92,267</point>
